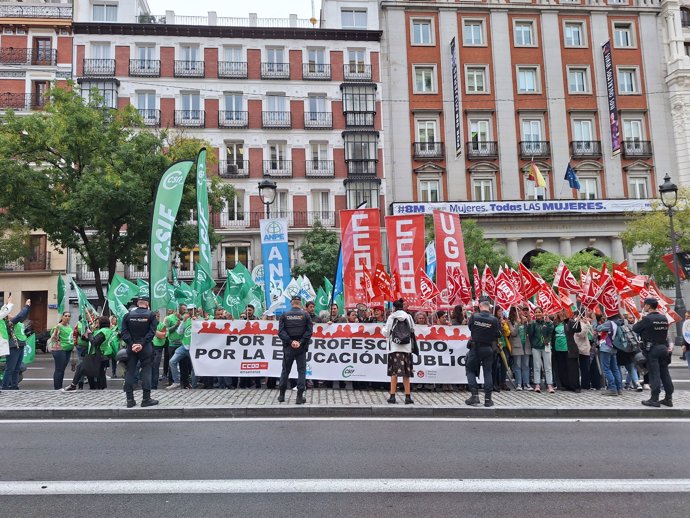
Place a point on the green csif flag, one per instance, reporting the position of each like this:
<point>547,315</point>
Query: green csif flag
<point>184,293</point>
<point>321,302</point>
<point>83,303</point>
<point>236,289</point>
<point>165,209</point>
<point>203,283</point>
<point>255,296</point>
<point>202,211</point>
<point>30,350</point>
<point>142,288</point>
<point>62,296</point>
<point>122,290</point>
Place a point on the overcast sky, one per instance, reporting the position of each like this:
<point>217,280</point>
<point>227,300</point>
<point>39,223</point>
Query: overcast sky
<point>264,8</point>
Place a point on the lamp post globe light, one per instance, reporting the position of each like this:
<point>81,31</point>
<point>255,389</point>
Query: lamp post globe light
<point>267,193</point>
<point>668,193</point>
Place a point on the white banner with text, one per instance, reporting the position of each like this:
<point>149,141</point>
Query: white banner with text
<point>352,352</point>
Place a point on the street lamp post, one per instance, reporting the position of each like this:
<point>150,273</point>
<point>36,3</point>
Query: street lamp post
<point>267,193</point>
<point>668,192</point>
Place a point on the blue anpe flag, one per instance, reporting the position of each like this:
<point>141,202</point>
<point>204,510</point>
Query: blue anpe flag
<point>572,177</point>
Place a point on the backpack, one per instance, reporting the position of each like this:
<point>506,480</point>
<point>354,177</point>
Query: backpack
<point>401,332</point>
<point>620,340</point>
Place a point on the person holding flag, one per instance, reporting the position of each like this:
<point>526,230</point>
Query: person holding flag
<point>12,330</point>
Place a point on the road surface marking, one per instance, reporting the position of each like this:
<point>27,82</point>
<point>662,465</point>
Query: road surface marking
<point>242,420</point>
<point>377,485</point>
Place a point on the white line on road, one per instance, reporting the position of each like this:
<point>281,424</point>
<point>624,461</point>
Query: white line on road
<point>242,420</point>
<point>380,485</point>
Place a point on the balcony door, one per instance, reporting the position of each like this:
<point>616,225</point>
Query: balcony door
<point>480,134</point>
<point>42,51</point>
<point>235,156</point>
<point>532,136</point>
<point>39,91</point>
<point>37,259</point>
<point>426,135</point>
<point>191,106</point>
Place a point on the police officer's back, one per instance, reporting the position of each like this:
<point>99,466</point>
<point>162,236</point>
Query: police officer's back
<point>138,330</point>
<point>653,330</point>
<point>485,329</point>
<point>295,330</point>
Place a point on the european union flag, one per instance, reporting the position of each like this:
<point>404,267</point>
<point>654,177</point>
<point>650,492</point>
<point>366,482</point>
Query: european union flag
<point>572,177</point>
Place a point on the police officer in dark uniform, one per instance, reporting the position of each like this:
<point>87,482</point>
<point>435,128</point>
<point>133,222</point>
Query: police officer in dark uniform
<point>138,330</point>
<point>485,329</point>
<point>295,329</point>
<point>653,330</point>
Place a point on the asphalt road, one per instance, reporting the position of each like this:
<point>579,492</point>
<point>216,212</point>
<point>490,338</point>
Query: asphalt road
<point>285,452</point>
<point>39,375</point>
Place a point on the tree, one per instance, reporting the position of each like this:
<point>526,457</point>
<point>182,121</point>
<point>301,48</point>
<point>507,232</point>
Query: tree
<point>14,240</point>
<point>545,264</point>
<point>478,249</point>
<point>651,229</point>
<point>87,176</point>
<point>320,253</point>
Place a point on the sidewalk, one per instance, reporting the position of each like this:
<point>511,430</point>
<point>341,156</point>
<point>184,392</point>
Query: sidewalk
<point>35,404</point>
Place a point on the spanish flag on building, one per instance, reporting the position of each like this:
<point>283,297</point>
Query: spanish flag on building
<point>535,175</point>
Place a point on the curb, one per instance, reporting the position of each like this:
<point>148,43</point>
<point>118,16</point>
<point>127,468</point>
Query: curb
<point>307,411</point>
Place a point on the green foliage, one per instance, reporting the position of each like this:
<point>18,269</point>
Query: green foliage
<point>87,175</point>
<point>652,230</point>
<point>14,240</point>
<point>320,254</point>
<point>478,249</point>
<point>545,264</point>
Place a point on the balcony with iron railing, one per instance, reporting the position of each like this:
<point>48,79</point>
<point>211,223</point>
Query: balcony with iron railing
<point>22,102</point>
<point>534,149</point>
<point>37,57</point>
<point>36,11</point>
<point>279,119</point>
<point>307,219</point>
<point>39,263</point>
<point>585,149</point>
<point>232,69</point>
<point>481,150</point>
<point>145,67</point>
<point>320,168</point>
<point>429,150</point>
<point>253,20</point>
<point>150,117</point>
<point>99,67</point>
<point>185,68</point>
<point>637,149</point>
<point>356,72</point>
<point>316,71</point>
<point>84,274</point>
<point>233,119</point>
<point>318,120</point>
<point>233,168</point>
<point>278,168</point>
<point>136,272</point>
<point>190,118</point>
<point>359,118</point>
<point>275,70</point>
<point>361,167</point>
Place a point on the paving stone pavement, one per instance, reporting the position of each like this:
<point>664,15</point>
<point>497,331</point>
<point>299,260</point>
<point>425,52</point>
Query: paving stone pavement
<point>322,397</point>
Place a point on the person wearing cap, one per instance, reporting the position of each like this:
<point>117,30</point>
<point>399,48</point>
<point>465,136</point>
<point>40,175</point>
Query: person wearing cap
<point>653,330</point>
<point>138,330</point>
<point>486,330</point>
<point>294,329</point>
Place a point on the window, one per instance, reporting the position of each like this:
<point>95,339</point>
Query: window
<point>275,55</point>
<point>359,192</point>
<point>233,102</point>
<point>483,189</point>
<point>236,206</point>
<point>316,104</point>
<point>318,154</point>
<point>353,18</point>
<point>422,32</point>
<point>281,204</point>
<point>277,155</point>
<point>187,258</point>
<point>359,105</point>
<point>622,35</point>
<point>528,81</point>
<point>42,51</point>
<point>578,81</point>
<point>480,132</point>
<point>321,205</point>
<point>189,53</point>
<point>146,54</point>
<point>424,80</point>
<point>39,91</point>
<point>429,190</point>
<point>104,13</point>
<point>426,131</point>
<point>574,35</point>
<point>232,54</point>
<point>627,81</point>
<point>275,102</point>
<point>360,147</point>
<point>316,59</point>
<point>105,89</point>
<point>356,59</point>
<point>235,255</point>
<point>632,130</point>
<point>583,130</point>
<point>234,154</point>
<point>100,51</point>
<point>524,34</point>
<point>146,102</point>
<point>475,80</point>
<point>191,105</point>
<point>473,32</point>
<point>637,188</point>
<point>589,189</point>
<point>532,192</point>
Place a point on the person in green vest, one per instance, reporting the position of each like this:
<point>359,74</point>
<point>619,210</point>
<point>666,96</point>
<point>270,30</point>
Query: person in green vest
<point>62,339</point>
<point>98,344</point>
<point>172,322</point>
<point>160,341</point>
<point>184,329</point>
<point>12,330</point>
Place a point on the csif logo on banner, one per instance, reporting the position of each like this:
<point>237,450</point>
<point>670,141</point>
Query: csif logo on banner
<point>121,290</point>
<point>274,232</point>
<point>174,180</point>
<point>160,289</point>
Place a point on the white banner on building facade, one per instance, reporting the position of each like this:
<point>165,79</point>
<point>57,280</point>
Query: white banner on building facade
<point>352,352</point>
<point>493,208</point>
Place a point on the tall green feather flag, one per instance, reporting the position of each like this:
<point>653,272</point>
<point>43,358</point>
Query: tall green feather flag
<point>30,350</point>
<point>63,300</point>
<point>202,211</point>
<point>122,290</point>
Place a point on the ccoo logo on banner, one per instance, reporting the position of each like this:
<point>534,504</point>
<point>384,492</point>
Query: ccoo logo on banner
<point>357,352</point>
<point>276,259</point>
